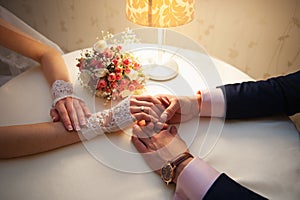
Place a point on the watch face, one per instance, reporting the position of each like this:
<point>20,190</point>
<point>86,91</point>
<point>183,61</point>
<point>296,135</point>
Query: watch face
<point>167,173</point>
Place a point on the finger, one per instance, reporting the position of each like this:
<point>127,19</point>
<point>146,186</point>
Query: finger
<point>144,134</point>
<point>138,132</point>
<point>63,113</point>
<point>135,102</point>
<point>139,145</point>
<point>147,110</point>
<point>154,107</point>
<point>149,129</point>
<point>85,109</point>
<point>145,116</point>
<point>160,126</point>
<point>79,112</point>
<point>163,99</point>
<point>54,115</point>
<point>147,98</point>
<point>157,109</point>
<point>170,111</point>
<point>137,109</point>
<point>72,113</point>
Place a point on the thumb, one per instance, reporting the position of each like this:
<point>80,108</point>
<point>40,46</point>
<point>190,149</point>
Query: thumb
<point>54,115</point>
<point>169,111</point>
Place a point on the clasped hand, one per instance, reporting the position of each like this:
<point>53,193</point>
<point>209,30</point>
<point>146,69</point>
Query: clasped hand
<point>158,146</point>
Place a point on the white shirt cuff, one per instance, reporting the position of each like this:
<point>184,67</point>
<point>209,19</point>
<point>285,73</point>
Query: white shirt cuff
<point>213,103</point>
<point>195,180</point>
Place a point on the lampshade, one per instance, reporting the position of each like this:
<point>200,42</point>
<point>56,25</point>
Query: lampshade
<point>160,13</point>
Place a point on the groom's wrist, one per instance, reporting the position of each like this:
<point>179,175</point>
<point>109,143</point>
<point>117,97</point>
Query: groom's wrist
<point>196,102</point>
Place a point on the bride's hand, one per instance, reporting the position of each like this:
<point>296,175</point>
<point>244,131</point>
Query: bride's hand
<point>146,107</point>
<point>67,107</point>
<point>71,112</point>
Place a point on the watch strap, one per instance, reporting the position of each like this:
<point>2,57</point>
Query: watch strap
<point>180,158</point>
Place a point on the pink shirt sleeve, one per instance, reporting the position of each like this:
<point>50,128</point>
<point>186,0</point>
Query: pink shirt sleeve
<point>213,103</point>
<point>195,180</point>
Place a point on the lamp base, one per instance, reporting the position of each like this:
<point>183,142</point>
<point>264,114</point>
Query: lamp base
<point>161,72</point>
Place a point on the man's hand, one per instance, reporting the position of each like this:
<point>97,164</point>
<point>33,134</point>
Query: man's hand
<point>179,109</point>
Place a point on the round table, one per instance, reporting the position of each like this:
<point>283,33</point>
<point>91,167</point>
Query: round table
<point>262,154</point>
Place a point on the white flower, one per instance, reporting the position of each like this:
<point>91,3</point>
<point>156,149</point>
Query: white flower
<point>100,45</point>
<point>85,77</point>
<point>125,93</point>
<point>133,75</point>
<point>100,72</point>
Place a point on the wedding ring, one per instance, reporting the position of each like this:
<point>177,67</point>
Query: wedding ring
<point>142,108</point>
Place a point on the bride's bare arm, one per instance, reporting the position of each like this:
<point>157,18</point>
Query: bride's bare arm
<point>71,111</point>
<point>21,140</point>
<point>52,63</point>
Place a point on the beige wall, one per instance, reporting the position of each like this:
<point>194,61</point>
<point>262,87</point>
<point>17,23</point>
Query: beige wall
<point>260,37</point>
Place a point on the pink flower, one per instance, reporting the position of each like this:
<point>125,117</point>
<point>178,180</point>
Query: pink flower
<point>113,85</point>
<point>136,66</point>
<point>127,70</point>
<point>94,62</point>
<point>116,61</point>
<point>100,65</point>
<point>126,62</point>
<point>111,77</point>
<point>131,87</point>
<point>101,84</point>
<point>119,48</point>
<point>121,87</point>
<point>118,76</point>
<point>108,90</point>
<point>118,69</point>
<point>108,53</point>
<point>124,82</point>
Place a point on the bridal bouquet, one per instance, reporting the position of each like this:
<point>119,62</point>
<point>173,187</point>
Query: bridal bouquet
<point>109,72</point>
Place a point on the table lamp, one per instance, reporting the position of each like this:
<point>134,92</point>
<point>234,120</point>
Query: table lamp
<point>160,14</point>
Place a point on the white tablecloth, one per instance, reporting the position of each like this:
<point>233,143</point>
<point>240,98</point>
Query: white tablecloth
<point>262,154</point>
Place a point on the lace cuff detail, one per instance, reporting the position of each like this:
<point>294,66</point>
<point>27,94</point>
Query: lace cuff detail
<point>110,120</point>
<point>60,90</point>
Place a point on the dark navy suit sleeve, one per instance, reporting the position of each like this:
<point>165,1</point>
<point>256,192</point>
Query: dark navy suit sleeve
<point>226,188</point>
<point>280,95</point>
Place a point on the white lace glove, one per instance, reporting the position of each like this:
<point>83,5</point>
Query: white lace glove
<point>60,90</point>
<point>110,120</point>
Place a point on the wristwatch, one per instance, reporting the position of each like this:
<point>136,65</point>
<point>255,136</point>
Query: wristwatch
<point>168,169</point>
